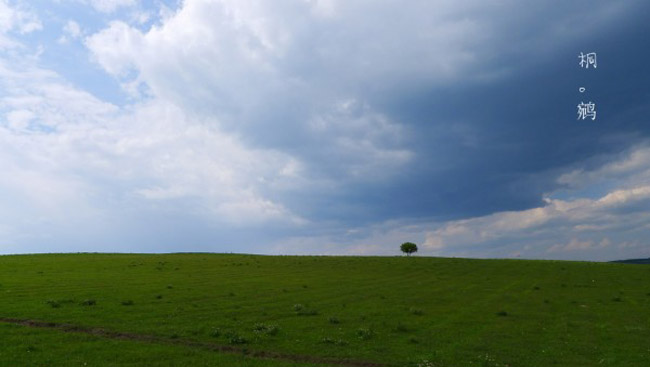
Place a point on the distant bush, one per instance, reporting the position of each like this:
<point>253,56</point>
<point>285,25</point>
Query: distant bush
<point>617,299</point>
<point>301,310</point>
<point>128,302</point>
<point>215,333</point>
<point>238,339</point>
<point>266,329</point>
<point>334,320</point>
<point>53,303</point>
<point>365,334</point>
<point>502,313</point>
<point>159,296</point>
<point>327,340</point>
<point>426,363</point>
<point>413,340</point>
<point>89,302</point>
<point>416,311</point>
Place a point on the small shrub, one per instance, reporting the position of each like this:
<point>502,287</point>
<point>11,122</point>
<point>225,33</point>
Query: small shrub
<point>365,334</point>
<point>159,296</point>
<point>334,320</point>
<point>487,361</point>
<point>238,339</point>
<point>327,340</point>
<point>174,336</point>
<point>266,329</point>
<point>303,311</point>
<point>53,303</point>
<point>502,313</point>
<point>215,333</point>
<point>536,288</point>
<point>416,311</point>
<point>413,340</point>
<point>89,302</point>
<point>426,363</point>
<point>617,299</point>
<point>128,302</point>
<point>169,286</point>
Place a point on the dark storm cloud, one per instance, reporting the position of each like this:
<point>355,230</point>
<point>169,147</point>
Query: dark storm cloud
<point>485,146</point>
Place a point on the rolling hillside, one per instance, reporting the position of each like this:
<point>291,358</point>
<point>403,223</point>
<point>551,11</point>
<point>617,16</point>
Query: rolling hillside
<point>247,310</point>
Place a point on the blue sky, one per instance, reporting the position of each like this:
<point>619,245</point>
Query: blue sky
<point>325,127</point>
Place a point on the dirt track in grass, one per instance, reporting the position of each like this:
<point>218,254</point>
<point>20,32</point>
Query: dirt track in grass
<point>69,328</point>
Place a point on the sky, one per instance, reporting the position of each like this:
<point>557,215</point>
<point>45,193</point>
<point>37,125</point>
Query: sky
<point>326,127</point>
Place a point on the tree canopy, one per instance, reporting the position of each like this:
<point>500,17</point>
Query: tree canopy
<point>408,248</point>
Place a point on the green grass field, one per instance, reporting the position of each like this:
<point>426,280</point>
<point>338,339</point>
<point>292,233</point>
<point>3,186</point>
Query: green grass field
<point>245,310</point>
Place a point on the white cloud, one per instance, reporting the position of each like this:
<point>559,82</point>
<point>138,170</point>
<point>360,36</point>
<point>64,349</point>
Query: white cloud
<point>109,6</point>
<point>74,165</point>
<point>556,218</point>
<point>16,18</point>
<point>577,245</point>
<point>71,31</point>
<point>623,197</point>
<point>631,167</point>
<point>233,60</point>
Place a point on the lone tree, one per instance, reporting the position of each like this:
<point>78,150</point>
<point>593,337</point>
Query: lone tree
<point>408,248</point>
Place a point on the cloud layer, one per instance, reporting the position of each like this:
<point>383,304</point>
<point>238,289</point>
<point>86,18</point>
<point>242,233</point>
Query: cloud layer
<point>323,126</point>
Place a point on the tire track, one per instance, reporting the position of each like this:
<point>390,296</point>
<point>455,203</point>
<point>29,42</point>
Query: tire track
<point>100,332</point>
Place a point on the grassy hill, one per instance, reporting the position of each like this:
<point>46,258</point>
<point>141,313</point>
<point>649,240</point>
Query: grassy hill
<point>245,310</point>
